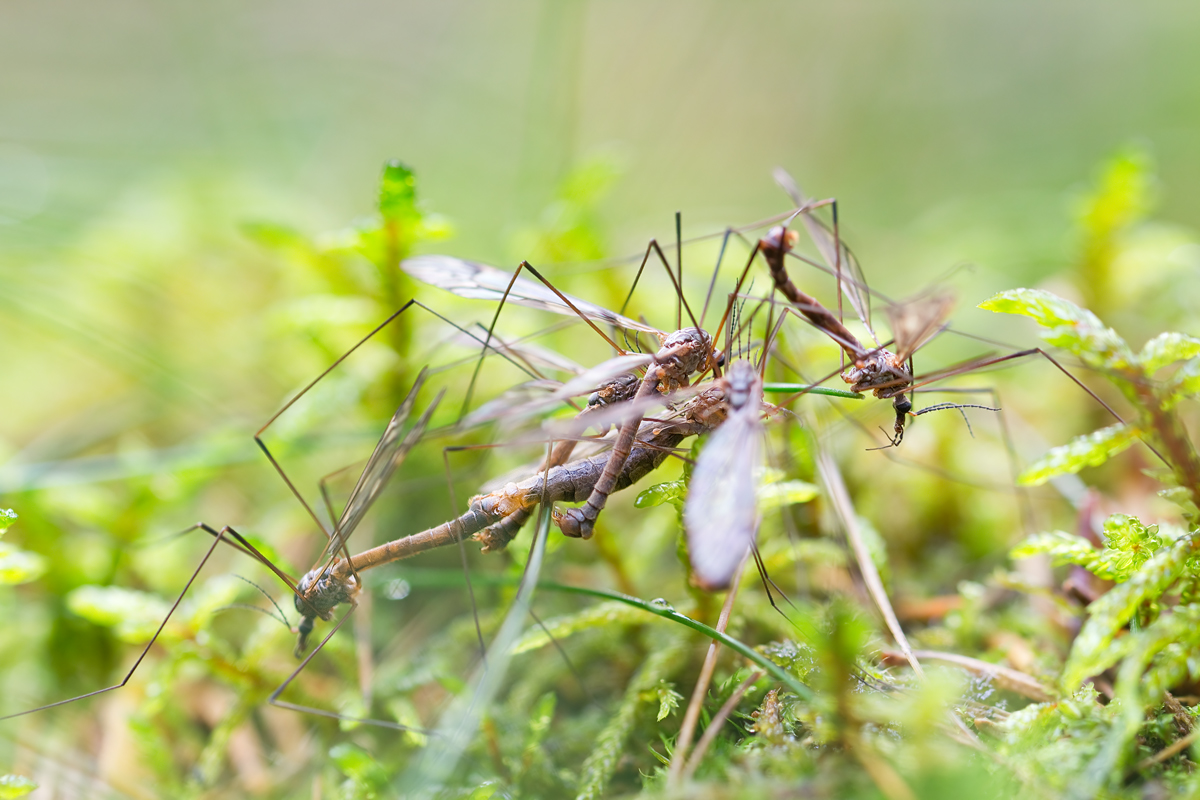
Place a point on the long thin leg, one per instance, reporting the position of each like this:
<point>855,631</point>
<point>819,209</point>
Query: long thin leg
<point>258,436</point>
<point>219,537</point>
<point>275,701</point>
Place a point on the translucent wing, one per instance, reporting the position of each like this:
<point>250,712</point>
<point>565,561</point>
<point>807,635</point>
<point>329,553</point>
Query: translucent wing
<point>389,453</point>
<point>847,271</point>
<point>721,515</point>
<point>521,406</point>
<point>481,282</point>
<point>532,354</point>
<point>915,321</point>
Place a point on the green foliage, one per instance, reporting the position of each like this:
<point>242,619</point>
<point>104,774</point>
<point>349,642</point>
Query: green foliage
<point>1082,334</point>
<point>1074,329</point>
<point>14,786</point>
<point>1138,595</point>
<point>599,766</point>
<point>365,779</point>
<point>1128,545</point>
<point>16,565</point>
<point>595,697</point>
<point>1089,450</point>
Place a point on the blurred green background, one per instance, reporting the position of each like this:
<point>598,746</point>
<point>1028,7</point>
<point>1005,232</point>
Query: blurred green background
<point>179,185</point>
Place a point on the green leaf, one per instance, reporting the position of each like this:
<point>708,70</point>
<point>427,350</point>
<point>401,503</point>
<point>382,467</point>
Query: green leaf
<point>1092,652</point>
<point>1123,195</point>
<point>1068,326</point>
<point>1062,547</point>
<point>1047,309</point>
<point>7,518</point>
<point>785,493</point>
<point>1089,450</point>
<point>1181,497</point>
<point>133,615</point>
<point>358,765</point>
<point>13,786</point>
<point>397,192</point>
<point>20,566</point>
<point>1129,545</point>
<point>1184,383</point>
<point>540,719</point>
<point>1167,348</point>
<point>672,492</point>
<point>668,700</point>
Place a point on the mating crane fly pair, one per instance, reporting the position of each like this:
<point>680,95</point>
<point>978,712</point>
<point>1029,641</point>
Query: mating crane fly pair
<point>720,515</point>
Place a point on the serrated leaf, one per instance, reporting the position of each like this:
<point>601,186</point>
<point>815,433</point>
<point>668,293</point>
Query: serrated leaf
<point>13,786</point>
<point>785,493</point>
<point>1092,652</point>
<point>1181,497</point>
<point>20,566</point>
<point>1068,326</point>
<point>670,492</point>
<point>1167,348</point>
<point>1184,383</point>
<point>7,518</point>
<point>1047,309</point>
<point>1089,450</point>
<point>1062,547</point>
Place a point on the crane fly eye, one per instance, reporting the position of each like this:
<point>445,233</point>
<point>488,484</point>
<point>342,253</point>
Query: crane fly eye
<point>594,399</point>
<point>903,405</point>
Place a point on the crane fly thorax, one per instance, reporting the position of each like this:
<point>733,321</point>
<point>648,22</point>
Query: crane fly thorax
<point>739,384</point>
<point>323,589</point>
<point>682,353</point>
<point>879,371</point>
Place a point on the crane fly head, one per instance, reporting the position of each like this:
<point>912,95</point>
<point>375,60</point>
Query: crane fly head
<point>778,239</point>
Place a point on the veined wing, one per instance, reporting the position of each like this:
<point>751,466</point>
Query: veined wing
<point>389,453</point>
<point>603,417</point>
<point>850,278</point>
<point>477,281</point>
<point>915,321</point>
<point>721,514</point>
<point>529,352</point>
<point>523,405</point>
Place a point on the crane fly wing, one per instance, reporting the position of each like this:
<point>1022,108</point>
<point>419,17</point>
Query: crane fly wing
<point>601,418</point>
<point>589,380</point>
<point>389,453</point>
<point>532,354</point>
<point>721,514</point>
<point>851,280</point>
<point>518,402</point>
<point>915,321</point>
<point>523,404</point>
<point>477,281</point>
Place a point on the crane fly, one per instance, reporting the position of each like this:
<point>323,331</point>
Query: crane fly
<point>681,354</point>
<point>886,373</point>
